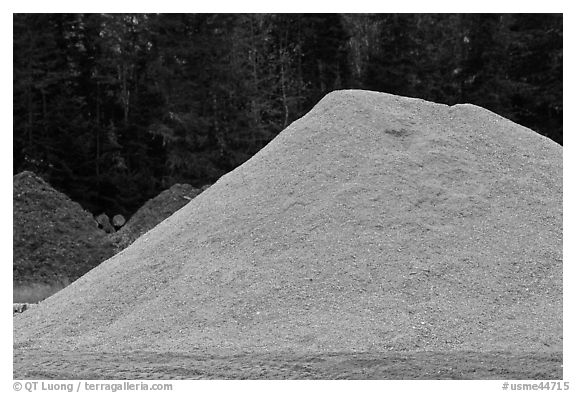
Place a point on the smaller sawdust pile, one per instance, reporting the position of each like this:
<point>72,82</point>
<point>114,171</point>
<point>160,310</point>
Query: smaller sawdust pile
<point>55,240</point>
<point>154,212</point>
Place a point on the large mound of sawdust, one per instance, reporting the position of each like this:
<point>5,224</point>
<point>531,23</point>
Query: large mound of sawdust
<point>375,222</point>
<point>55,240</point>
<point>154,212</point>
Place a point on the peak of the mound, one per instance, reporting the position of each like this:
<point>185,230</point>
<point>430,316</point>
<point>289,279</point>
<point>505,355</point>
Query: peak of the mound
<point>54,238</point>
<point>28,182</point>
<point>375,222</point>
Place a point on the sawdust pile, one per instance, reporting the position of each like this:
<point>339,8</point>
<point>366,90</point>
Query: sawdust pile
<point>154,212</point>
<point>373,223</point>
<point>55,240</point>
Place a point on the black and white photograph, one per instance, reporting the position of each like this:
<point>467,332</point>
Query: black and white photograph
<point>287,196</point>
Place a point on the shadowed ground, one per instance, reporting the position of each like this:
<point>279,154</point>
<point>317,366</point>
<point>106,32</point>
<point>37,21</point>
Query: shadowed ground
<point>419,365</point>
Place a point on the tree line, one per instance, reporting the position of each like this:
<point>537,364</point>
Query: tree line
<point>113,108</point>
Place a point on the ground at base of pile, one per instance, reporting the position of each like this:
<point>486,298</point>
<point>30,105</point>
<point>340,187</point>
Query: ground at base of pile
<point>369,365</point>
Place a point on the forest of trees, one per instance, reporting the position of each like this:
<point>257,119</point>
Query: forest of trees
<point>113,108</point>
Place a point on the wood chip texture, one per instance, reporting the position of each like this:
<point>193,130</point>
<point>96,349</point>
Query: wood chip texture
<point>373,223</point>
